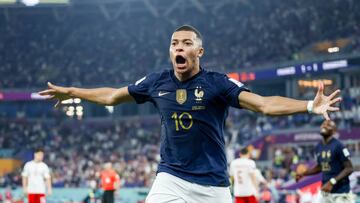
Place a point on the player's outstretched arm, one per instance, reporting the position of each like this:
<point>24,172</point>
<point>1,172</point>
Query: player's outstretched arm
<point>315,170</point>
<point>104,96</point>
<point>276,105</point>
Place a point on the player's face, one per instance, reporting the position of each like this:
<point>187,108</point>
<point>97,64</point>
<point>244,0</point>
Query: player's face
<point>327,128</point>
<point>185,52</point>
<point>39,156</point>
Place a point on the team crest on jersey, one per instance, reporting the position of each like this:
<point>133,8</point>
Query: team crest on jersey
<point>328,154</point>
<point>323,154</point>
<point>199,94</point>
<point>181,96</point>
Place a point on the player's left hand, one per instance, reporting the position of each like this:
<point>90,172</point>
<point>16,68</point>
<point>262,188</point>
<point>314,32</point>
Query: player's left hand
<point>327,187</point>
<point>323,104</point>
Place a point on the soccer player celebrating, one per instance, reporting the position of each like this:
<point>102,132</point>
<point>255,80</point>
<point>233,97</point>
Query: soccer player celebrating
<point>193,105</point>
<point>246,178</point>
<point>334,163</point>
<point>36,177</point>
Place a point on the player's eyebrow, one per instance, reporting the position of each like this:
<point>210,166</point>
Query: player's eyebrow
<point>181,40</point>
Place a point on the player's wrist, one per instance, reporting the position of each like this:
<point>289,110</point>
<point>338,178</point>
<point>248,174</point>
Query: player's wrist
<point>310,106</point>
<point>333,181</point>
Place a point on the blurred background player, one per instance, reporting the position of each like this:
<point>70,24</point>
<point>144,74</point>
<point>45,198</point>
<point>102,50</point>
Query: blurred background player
<point>110,182</point>
<point>36,178</point>
<point>333,160</point>
<point>245,178</point>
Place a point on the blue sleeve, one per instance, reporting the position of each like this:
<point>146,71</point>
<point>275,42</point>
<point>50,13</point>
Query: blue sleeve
<point>342,152</point>
<point>141,90</point>
<point>231,90</point>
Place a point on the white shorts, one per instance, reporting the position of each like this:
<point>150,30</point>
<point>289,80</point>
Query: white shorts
<point>171,189</point>
<point>337,197</point>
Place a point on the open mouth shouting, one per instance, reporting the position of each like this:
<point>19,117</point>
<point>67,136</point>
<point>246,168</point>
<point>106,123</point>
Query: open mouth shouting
<point>180,61</point>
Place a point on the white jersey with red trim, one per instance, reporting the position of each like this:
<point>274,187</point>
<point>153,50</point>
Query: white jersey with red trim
<point>36,173</point>
<point>244,172</point>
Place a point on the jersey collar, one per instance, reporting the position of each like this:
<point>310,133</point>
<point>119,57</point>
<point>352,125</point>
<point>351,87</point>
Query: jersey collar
<point>178,82</point>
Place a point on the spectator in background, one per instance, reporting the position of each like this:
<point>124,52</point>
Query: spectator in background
<point>36,177</point>
<point>110,182</point>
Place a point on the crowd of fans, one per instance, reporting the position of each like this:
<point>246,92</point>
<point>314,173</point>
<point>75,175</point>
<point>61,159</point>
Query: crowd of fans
<point>85,49</point>
<point>76,152</point>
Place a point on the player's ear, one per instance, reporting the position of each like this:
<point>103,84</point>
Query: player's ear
<point>201,52</point>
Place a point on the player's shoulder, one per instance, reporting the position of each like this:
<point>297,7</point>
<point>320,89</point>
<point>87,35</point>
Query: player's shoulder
<point>214,75</point>
<point>337,143</point>
<point>28,164</point>
<point>153,77</point>
<point>218,78</point>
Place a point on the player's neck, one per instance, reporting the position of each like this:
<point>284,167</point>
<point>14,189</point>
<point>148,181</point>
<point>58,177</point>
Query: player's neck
<point>187,75</point>
<point>326,140</point>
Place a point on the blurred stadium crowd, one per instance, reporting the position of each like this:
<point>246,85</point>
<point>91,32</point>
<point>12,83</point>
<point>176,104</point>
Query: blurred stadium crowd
<point>86,49</point>
<point>76,151</point>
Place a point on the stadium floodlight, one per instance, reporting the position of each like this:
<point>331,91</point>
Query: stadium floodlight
<point>30,2</point>
<point>333,49</point>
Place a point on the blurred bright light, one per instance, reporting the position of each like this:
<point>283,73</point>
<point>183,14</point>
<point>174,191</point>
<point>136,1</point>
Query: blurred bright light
<point>70,113</point>
<point>110,109</point>
<point>30,2</point>
<point>333,49</point>
<point>77,100</point>
<point>314,83</point>
<point>79,108</point>
<point>68,101</point>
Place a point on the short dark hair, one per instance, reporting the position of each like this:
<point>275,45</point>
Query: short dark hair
<point>191,29</point>
<point>39,149</point>
<point>244,151</point>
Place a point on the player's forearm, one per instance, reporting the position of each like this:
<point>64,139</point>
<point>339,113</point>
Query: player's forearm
<point>104,96</point>
<point>24,183</point>
<point>345,172</point>
<point>272,105</point>
<point>312,171</point>
<point>276,105</point>
<point>48,185</point>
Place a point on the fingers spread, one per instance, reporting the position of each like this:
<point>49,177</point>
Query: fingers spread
<point>320,89</point>
<point>47,92</point>
<point>335,100</point>
<point>332,95</point>
<point>334,108</point>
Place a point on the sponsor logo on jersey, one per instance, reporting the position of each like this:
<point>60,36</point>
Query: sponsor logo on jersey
<point>161,93</point>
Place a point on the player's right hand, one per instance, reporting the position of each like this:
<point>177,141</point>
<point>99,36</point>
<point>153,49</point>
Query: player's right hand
<point>298,177</point>
<point>56,92</point>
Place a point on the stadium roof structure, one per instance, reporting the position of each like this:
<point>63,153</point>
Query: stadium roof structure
<point>112,9</point>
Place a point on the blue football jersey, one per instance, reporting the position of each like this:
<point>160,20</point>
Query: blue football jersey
<point>331,157</point>
<point>193,115</point>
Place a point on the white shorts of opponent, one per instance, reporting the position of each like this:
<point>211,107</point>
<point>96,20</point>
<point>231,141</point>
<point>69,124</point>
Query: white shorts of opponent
<point>337,197</point>
<point>171,189</point>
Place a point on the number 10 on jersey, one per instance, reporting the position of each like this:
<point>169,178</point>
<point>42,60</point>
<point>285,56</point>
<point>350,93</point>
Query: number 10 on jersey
<point>179,120</point>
